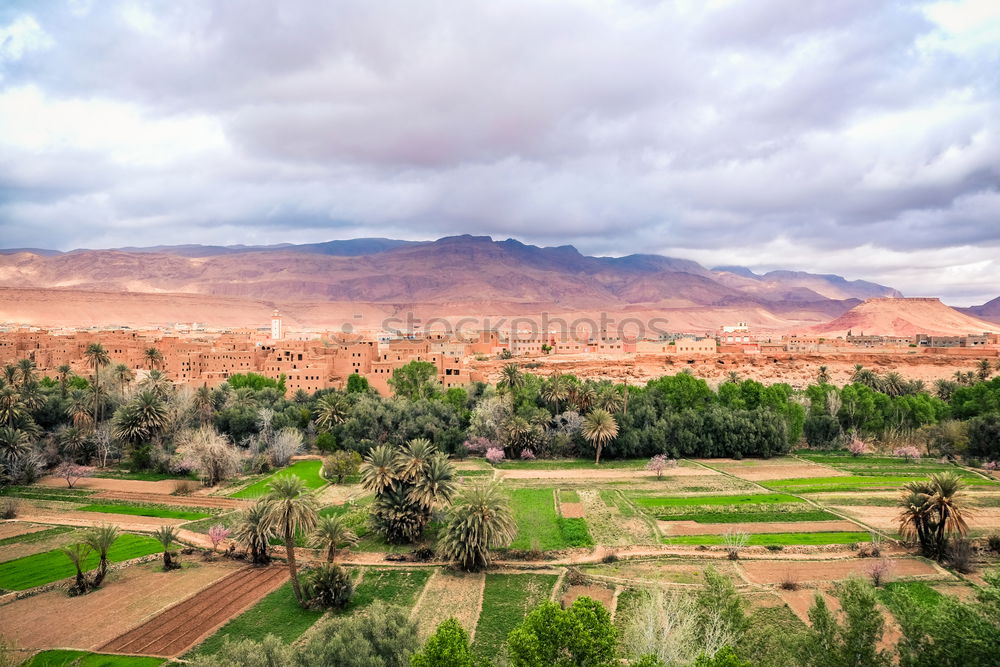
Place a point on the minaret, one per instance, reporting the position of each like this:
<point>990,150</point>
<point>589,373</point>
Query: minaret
<point>276,330</point>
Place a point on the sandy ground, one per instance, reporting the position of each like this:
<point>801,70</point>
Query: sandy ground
<point>338,494</point>
<point>605,474</point>
<point>175,630</point>
<point>793,471</point>
<point>774,572</point>
<point>15,528</point>
<point>602,594</point>
<point>695,528</point>
<point>70,518</point>
<point>572,510</point>
<point>449,595</point>
<point>884,518</point>
<point>164,487</point>
<point>54,620</point>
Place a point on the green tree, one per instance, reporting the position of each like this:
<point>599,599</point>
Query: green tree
<point>852,643</point>
<point>415,380</point>
<point>384,636</point>
<point>100,539</point>
<point>166,535</point>
<point>358,384</point>
<point>254,532</point>
<point>932,511</point>
<point>478,521</point>
<point>331,533</point>
<point>291,508</point>
<point>341,464</point>
<point>98,358</point>
<point>599,428</point>
<point>447,647</point>
<point>554,637</point>
<point>724,657</point>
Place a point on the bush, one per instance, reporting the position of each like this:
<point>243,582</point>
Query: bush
<point>857,447</point>
<point>327,587</point>
<point>447,647</point>
<point>960,555</point>
<point>993,543</point>
<point>341,464</point>
<point>879,571</point>
<point>495,455</point>
<point>8,508</point>
<point>909,453</point>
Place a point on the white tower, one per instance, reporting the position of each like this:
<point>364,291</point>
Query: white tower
<point>276,330</point>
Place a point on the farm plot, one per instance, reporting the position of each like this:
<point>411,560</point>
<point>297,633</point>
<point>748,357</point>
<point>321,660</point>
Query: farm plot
<point>448,595</point>
<point>678,528</point>
<point>981,520</point>
<point>392,586</point>
<point>847,483</point>
<point>163,487</point>
<point>139,510</point>
<point>308,471</point>
<point>612,521</point>
<point>886,465</point>
<point>18,531</point>
<point>129,597</point>
<point>278,613</point>
<point>507,599</point>
<point>30,571</point>
<point>775,572</point>
<point>756,470</point>
<point>175,630</point>
<point>765,539</point>
<point>67,658</point>
<point>673,571</point>
<point>38,542</point>
<point>539,525</point>
<point>602,594</point>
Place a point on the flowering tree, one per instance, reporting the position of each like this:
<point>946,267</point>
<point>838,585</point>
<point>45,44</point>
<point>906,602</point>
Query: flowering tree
<point>527,454</point>
<point>909,453</point>
<point>857,447</point>
<point>218,533</point>
<point>659,463</point>
<point>478,445</point>
<point>992,465</point>
<point>495,455</point>
<point>71,472</point>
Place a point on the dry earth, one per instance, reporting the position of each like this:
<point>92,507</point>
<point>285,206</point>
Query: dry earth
<point>162,488</point>
<point>449,595</point>
<point>774,572</point>
<point>15,528</point>
<point>71,518</point>
<point>572,510</point>
<point>695,528</point>
<point>884,518</point>
<point>602,594</point>
<point>607,474</point>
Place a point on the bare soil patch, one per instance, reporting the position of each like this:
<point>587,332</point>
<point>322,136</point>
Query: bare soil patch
<point>15,528</point>
<point>338,494</point>
<point>54,620</point>
<point>695,528</point>
<point>801,600</point>
<point>180,627</point>
<point>884,518</point>
<point>162,488</point>
<point>72,518</point>
<point>664,571</point>
<point>602,594</point>
<point>589,474</point>
<point>791,471</point>
<point>963,592</point>
<point>21,549</point>
<point>450,595</point>
<point>214,502</point>
<point>775,571</point>
<point>572,510</point>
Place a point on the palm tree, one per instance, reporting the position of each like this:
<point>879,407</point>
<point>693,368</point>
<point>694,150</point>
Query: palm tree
<point>291,508</point>
<point>80,409</point>
<point>330,410</point>
<point>932,511</point>
<point>254,532</point>
<point>204,404</point>
<point>823,377</point>
<point>983,370</point>
<point>73,441</point>
<point>378,472</point>
<point>583,396</point>
<point>156,382</point>
<point>437,483</point>
<point>732,377</point>
<point>555,389</point>
<point>14,442</point>
<point>141,417</point>
<point>11,406</point>
<point>332,532</point>
<point>599,428</point>
<point>26,372</point>
<point>893,384</point>
<point>64,372</point>
<point>153,357</point>
<point>98,357</point>
<point>166,535</point>
<point>413,459</point>
<point>77,553</point>
<point>480,520</point>
<point>100,540</point>
<point>511,377</point>
<point>943,389</point>
<point>124,375</point>
<point>611,398</point>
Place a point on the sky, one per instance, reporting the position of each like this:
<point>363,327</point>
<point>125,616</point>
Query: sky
<point>856,137</point>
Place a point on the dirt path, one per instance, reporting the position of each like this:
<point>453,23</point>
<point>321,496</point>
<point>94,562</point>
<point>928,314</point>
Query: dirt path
<point>180,627</point>
<point>695,528</point>
<point>448,595</point>
<point>211,502</point>
<point>131,596</point>
<point>163,488</point>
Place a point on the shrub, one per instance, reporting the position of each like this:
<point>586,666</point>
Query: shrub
<point>583,634</point>
<point>991,466</point>
<point>478,445</point>
<point>341,464</point>
<point>774,547</point>
<point>993,542</point>
<point>495,455</point>
<point>71,472</point>
<point>218,533</point>
<point>659,463</point>
<point>447,647</point>
<point>734,541</point>
<point>857,447</point>
<point>612,557</point>
<point>527,454</point>
<point>908,453</point>
<point>8,508</point>
<point>960,556</point>
<point>789,582</point>
<point>327,587</point>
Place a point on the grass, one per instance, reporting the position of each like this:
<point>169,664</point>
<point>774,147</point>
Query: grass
<point>47,493</point>
<point>278,613</point>
<point>568,496</point>
<point>573,464</point>
<point>398,587</point>
<point>142,475</point>
<point>755,517</point>
<point>140,510</point>
<point>37,536</point>
<point>64,658</point>
<point>307,470</point>
<point>764,539</point>
<point>613,498</point>
<point>849,483</point>
<point>507,599</point>
<point>688,501</point>
<point>888,465</point>
<point>30,571</point>
<point>539,525</point>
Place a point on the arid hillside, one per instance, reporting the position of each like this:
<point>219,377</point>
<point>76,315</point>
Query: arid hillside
<point>904,317</point>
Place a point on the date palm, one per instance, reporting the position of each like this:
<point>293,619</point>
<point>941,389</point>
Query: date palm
<point>204,404</point>
<point>80,411</point>
<point>77,554</point>
<point>73,441</point>
<point>14,443</point>
<point>166,536</point>
<point>140,418</point>
<point>124,375</point>
<point>153,357</point>
<point>64,371</point>
<point>511,377</point>
<point>291,508</point>
<point>100,540</point>
<point>555,390</point>
<point>25,372</point>
<point>331,533</point>
<point>253,531</point>
<point>98,358</point>
<point>378,472</point>
<point>12,408</point>
<point>983,370</point>
<point>823,376</point>
<point>478,521</point>
<point>599,428</point>
<point>611,398</point>
<point>932,511</point>
<point>330,410</point>
<point>157,382</point>
<point>436,484</point>
<point>413,458</point>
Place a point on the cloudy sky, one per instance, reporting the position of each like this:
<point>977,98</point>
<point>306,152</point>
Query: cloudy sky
<point>857,137</point>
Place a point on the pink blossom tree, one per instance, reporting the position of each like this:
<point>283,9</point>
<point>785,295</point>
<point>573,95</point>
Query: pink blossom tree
<point>857,447</point>
<point>218,533</point>
<point>495,455</point>
<point>527,454</point>
<point>71,472</point>
<point>908,453</point>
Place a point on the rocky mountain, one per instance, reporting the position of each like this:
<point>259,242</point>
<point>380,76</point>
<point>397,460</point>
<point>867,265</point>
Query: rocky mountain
<point>988,311</point>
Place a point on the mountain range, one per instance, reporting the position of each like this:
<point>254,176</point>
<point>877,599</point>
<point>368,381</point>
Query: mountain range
<point>325,284</point>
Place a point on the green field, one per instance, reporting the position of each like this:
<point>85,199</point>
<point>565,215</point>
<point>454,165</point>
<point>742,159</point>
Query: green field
<point>920,592</point>
<point>37,536</point>
<point>30,571</point>
<point>689,501</point>
<point>507,598</point>
<point>850,483</point>
<point>307,470</point>
<point>539,525</point>
<point>888,466</point>
<point>756,517</point>
<point>144,475</point>
<point>139,510</point>
<point>278,613</point>
<point>47,493</point>
<point>574,464</point>
<point>64,658</point>
<point>568,496</point>
<point>399,587</point>
<point>838,537</point>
